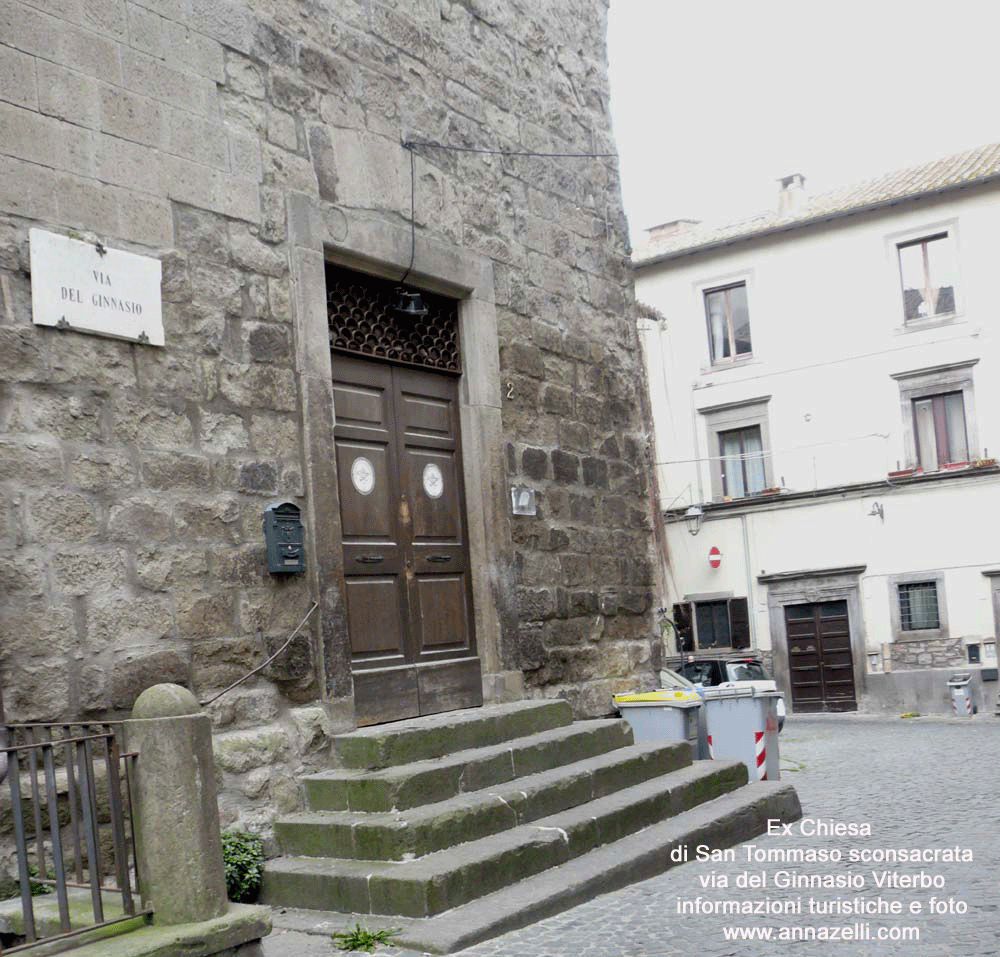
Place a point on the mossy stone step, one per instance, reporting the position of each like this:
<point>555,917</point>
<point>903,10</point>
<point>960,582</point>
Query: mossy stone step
<point>467,817</point>
<point>428,782</point>
<point>452,877</point>
<point>419,739</point>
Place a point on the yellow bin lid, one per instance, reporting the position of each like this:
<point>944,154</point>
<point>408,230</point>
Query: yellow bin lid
<point>670,696</point>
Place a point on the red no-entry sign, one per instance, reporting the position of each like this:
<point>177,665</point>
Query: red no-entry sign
<point>714,557</point>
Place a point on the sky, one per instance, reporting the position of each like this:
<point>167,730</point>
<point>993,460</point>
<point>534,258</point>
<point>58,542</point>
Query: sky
<point>713,100</point>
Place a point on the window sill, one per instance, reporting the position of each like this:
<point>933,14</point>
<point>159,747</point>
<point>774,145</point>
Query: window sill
<point>725,364</point>
<point>950,468</point>
<point>930,322</point>
<point>924,634</point>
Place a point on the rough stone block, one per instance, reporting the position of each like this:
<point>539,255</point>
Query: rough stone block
<point>23,574</point>
<point>216,519</point>
<point>137,669</point>
<point>45,141</point>
<point>17,78</point>
<point>245,156</point>
<point>151,77</point>
<point>242,751</point>
<point>83,571</point>
<point>565,466</point>
<point>245,707</point>
<point>166,567</point>
<point>146,30</point>
<point>221,433</point>
<point>127,164</point>
<point>260,387</point>
<point>139,522</point>
<point>202,615</point>
<point>535,463</point>
<point>250,253</point>
<point>218,662</point>
<point>40,693</point>
<point>173,470</point>
<point>229,23</point>
<point>37,460</point>
<point>61,516</point>
<point>120,620</point>
<point>193,51</point>
<point>129,116</point>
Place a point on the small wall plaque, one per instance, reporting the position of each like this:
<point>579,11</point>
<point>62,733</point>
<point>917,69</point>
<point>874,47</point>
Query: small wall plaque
<point>522,500</point>
<point>87,287</point>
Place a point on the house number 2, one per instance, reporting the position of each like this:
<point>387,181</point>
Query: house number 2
<point>510,390</point>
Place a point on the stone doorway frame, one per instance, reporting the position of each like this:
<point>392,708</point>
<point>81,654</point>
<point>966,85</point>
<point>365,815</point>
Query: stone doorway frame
<point>320,232</point>
<point>808,587</point>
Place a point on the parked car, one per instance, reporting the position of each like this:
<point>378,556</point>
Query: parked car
<point>709,672</point>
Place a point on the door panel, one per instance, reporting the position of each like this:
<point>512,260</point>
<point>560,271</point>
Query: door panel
<point>373,618</point>
<point>406,564</point>
<point>820,661</point>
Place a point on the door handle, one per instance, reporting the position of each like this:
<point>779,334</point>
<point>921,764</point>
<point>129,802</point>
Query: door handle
<point>439,558</point>
<point>369,559</point>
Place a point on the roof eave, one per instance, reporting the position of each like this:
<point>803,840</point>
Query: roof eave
<point>812,221</point>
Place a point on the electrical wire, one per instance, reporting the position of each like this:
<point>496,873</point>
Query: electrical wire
<point>791,370</point>
<point>410,144</point>
<point>769,452</point>
<point>413,213</point>
<point>288,641</point>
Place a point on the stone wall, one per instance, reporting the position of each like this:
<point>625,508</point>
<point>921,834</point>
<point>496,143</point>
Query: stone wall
<point>915,654</point>
<point>134,477</point>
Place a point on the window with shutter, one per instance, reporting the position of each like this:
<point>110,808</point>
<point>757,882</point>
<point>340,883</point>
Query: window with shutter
<point>723,623</point>
<point>683,625</point>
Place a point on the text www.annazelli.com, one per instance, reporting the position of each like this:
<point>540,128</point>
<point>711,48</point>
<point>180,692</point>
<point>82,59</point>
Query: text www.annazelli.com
<point>844,932</point>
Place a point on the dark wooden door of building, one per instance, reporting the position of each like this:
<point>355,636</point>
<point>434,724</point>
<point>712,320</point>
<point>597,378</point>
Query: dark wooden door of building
<point>406,554</point>
<point>820,663</point>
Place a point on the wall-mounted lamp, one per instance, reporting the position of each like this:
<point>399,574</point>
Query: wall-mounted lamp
<point>878,510</point>
<point>410,304</point>
<point>692,518</point>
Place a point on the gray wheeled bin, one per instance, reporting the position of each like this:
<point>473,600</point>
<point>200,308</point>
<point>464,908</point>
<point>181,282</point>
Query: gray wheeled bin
<point>961,695</point>
<point>742,725</point>
<point>671,714</point>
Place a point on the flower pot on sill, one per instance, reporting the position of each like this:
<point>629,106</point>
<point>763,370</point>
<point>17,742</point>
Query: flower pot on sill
<point>984,463</point>
<point>954,465</point>
<point>904,473</point>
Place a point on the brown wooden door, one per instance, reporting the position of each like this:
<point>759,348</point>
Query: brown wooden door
<point>406,556</point>
<point>820,663</point>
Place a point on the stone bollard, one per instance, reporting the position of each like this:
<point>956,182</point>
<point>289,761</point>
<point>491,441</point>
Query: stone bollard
<point>175,808</point>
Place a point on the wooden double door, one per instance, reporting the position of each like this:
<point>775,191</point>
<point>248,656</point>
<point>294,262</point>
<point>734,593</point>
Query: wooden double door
<point>405,547</point>
<point>820,662</point>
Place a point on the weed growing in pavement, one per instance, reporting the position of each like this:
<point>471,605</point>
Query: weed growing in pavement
<point>363,939</point>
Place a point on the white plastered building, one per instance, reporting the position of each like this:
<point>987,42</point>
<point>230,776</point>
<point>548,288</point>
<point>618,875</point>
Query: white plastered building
<point>825,388</point>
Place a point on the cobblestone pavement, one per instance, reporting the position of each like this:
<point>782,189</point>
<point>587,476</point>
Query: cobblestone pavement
<point>921,784</point>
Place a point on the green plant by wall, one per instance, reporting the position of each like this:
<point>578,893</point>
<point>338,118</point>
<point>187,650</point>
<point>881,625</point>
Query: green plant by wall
<point>243,856</point>
<point>37,887</point>
<point>363,939</point>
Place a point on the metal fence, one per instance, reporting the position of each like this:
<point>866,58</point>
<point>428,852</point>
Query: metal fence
<point>72,823</point>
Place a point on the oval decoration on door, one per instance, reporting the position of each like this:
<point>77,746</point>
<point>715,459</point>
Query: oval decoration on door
<point>433,480</point>
<point>363,475</point>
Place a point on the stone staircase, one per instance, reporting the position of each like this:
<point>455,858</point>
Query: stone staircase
<point>472,823</point>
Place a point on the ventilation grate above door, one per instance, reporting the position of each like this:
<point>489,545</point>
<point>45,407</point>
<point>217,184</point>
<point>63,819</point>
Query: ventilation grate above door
<point>363,321</point>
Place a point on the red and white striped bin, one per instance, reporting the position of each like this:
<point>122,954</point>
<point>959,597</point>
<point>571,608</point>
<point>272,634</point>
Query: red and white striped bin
<point>742,725</point>
<point>961,695</point>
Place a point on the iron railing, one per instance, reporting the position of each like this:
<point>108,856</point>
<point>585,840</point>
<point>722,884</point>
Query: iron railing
<point>70,787</point>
